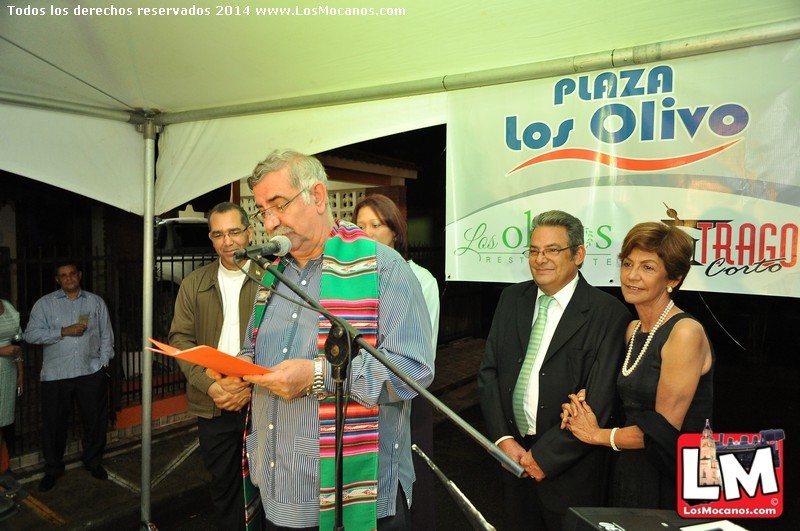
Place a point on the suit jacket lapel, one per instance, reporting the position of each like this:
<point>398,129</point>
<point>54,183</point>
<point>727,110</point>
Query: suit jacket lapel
<point>572,320</point>
<point>524,315</point>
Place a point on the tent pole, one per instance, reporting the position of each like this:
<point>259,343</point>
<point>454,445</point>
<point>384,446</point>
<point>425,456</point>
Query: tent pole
<point>149,132</point>
<point>75,108</point>
<point>633,55</point>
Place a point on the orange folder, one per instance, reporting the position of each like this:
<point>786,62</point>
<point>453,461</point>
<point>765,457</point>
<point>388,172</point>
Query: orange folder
<point>211,358</point>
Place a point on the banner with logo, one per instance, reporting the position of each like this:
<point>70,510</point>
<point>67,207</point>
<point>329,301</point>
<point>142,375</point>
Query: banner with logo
<point>708,143</point>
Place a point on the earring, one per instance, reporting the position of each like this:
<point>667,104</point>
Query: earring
<point>669,289</point>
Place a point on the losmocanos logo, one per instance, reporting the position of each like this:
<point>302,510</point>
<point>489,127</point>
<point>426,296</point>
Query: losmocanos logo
<point>655,116</point>
<point>730,475</point>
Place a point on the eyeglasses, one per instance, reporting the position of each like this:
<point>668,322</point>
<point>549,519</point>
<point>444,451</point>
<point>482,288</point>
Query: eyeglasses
<point>232,233</point>
<point>260,215</point>
<point>548,252</point>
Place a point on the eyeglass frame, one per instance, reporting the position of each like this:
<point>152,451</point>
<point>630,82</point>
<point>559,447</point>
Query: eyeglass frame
<point>260,215</point>
<point>547,252</point>
<point>220,234</point>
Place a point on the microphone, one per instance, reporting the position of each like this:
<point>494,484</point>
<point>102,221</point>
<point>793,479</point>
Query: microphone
<point>276,246</point>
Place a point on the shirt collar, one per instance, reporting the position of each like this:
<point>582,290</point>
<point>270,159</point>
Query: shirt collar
<point>291,262</point>
<point>564,295</point>
<point>61,294</point>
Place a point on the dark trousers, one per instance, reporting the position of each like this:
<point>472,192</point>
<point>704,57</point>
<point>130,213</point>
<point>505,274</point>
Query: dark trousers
<point>221,447</point>
<point>90,392</point>
<point>522,508</point>
<point>423,512</point>
<point>400,521</point>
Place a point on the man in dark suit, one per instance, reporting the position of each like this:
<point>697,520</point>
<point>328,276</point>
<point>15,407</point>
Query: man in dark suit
<point>550,337</point>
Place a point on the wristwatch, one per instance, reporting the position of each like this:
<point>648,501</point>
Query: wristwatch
<point>318,390</point>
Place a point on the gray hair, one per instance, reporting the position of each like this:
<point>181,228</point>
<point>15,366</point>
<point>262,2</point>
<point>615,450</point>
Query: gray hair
<point>304,170</point>
<point>559,218</point>
<point>227,206</point>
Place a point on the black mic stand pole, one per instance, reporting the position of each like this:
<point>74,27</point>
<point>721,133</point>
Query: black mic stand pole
<point>476,519</point>
<point>337,351</point>
<point>348,331</point>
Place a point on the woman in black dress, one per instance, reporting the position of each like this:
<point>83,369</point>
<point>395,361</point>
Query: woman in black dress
<point>666,377</point>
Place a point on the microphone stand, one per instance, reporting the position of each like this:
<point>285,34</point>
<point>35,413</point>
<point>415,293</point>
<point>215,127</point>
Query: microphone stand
<point>337,353</point>
<point>475,518</point>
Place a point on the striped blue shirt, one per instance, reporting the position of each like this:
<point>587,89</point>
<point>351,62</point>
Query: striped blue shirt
<point>69,357</point>
<point>283,445</point>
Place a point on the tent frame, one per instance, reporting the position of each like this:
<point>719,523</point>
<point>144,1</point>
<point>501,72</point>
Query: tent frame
<point>615,58</point>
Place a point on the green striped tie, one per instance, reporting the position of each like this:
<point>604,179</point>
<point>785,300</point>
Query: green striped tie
<point>530,357</point>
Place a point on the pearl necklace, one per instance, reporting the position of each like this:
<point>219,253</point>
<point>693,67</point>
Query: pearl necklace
<point>628,371</point>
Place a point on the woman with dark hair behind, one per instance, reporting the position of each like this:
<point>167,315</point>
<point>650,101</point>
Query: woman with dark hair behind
<point>666,378</point>
<point>379,217</point>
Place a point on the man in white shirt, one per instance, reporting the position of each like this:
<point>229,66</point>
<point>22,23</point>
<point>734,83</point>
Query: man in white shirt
<point>212,308</point>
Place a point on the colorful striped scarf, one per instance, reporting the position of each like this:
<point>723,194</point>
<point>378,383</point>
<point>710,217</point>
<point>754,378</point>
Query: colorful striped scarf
<point>348,289</point>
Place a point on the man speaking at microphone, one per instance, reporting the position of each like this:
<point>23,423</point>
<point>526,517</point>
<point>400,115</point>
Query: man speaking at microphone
<point>371,286</point>
<point>212,308</point>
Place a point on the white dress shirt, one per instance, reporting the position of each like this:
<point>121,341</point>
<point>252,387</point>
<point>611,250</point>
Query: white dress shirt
<point>554,313</point>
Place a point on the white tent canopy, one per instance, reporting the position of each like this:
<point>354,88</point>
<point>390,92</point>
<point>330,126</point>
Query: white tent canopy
<point>228,86</point>
<point>293,72</point>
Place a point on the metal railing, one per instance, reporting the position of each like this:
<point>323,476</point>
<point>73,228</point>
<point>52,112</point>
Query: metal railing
<point>119,282</point>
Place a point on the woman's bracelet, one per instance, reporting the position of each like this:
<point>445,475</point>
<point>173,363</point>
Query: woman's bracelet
<point>611,439</point>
